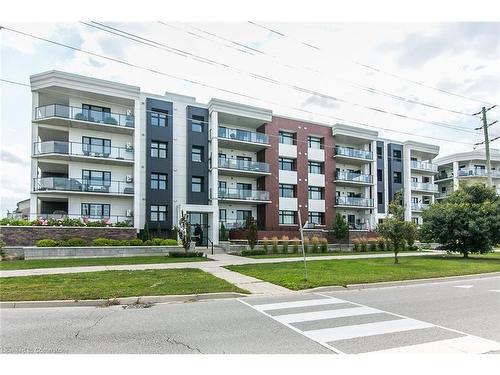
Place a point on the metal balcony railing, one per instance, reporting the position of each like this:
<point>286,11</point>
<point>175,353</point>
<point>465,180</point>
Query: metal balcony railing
<point>83,185</point>
<point>424,166</point>
<point>83,149</point>
<point>419,206</point>
<point>354,201</point>
<point>243,135</point>
<point>424,186</point>
<point>353,153</point>
<point>79,114</point>
<point>244,165</point>
<point>354,177</point>
<point>241,194</point>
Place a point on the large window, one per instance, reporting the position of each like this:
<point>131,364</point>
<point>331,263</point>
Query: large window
<point>197,123</point>
<point>96,210</point>
<point>197,184</point>
<point>286,164</point>
<point>158,181</point>
<point>287,217</point>
<point>396,154</point>
<point>158,118</point>
<point>222,215</point>
<point>95,113</point>
<point>242,215</point>
<point>99,146</point>
<point>316,218</point>
<point>316,192</point>
<point>397,177</point>
<point>91,177</point>
<point>197,154</point>
<point>288,191</point>
<point>380,197</point>
<point>287,138</point>
<point>158,150</point>
<point>379,152</point>
<point>158,213</point>
<point>315,167</point>
<point>379,175</point>
<point>314,142</point>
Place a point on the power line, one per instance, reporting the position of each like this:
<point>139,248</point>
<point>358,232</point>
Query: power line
<point>222,89</point>
<point>202,59</point>
<point>15,83</point>
<point>371,67</point>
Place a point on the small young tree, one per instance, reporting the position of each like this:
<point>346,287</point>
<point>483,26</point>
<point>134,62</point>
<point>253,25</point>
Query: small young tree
<point>222,232</point>
<point>394,227</point>
<point>184,231</point>
<point>251,232</point>
<point>145,232</point>
<point>340,228</point>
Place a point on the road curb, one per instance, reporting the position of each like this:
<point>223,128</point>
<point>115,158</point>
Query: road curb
<point>398,283</point>
<point>120,301</point>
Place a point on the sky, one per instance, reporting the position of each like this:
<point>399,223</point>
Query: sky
<point>310,71</point>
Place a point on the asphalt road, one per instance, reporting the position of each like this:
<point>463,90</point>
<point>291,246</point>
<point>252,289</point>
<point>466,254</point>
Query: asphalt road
<point>459,316</point>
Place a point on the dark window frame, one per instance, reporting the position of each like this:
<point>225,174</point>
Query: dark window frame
<point>287,161</point>
<point>86,209</point>
<point>287,214</point>
<point>200,152</point>
<point>199,183</point>
<point>157,211</point>
<point>157,150</point>
<point>157,179</point>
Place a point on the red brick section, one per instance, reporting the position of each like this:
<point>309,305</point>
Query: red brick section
<point>28,236</point>
<point>268,215</point>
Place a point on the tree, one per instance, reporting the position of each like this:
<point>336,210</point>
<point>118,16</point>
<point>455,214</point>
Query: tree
<point>394,227</point>
<point>145,233</point>
<point>340,228</point>
<point>184,231</point>
<point>222,232</point>
<point>251,232</point>
<point>466,222</point>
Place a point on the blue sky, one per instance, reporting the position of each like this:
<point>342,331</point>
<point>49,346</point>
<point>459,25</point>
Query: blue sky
<point>459,57</point>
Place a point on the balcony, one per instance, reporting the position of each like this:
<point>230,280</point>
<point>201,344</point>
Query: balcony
<point>424,186</point>
<point>242,139</point>
<point>64,115</point>
<point>352,154</point>
<point>83,186</point>
<point>443,195</point>
<point>477,173</point>
<point>417,207</point>
<point>354,202</point>
<point>349,178</point>
<point>235,167</point>
<point>443,176</point>
<point>61,150</point>
<point>244,196</point>
<point>424,166</point>
<point>110,219</point>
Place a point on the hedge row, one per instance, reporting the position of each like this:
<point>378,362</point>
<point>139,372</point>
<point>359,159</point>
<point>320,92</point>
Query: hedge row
<point>63,222</point>
<point>78,242</point>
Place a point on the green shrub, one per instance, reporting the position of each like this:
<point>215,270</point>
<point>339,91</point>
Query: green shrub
<point>81,117</point>
<point>324,245</point>
<point>381,244</point>
<point>315,244</point>
<point>284,244</point>
<point>357,245</point>
<point>47,242</point>
<point>135,242</point>
<point>16,222</point>
<point>148,243</point>
<point>169,242</point>
<point>274,244</point>
<point>123,224</point>
<point>372,246</point>
<point>157,241</point>
<point>101,242</point>
<point>186,254</point>
<point>265,244</point>
<point>75,242</point>
<point>246,253</point>
<point>306,244</point>
<point>363,246</point>
<point>110,120</point>
<point>389,246</point>
<point>295,245</point>
<point>99,223</point>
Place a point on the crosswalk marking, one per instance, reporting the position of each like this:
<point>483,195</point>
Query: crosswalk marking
<point>494,290</point>
<point>463,286</point>
<point>368,329</point>
<point>328,314</point>
<point>287,305</point>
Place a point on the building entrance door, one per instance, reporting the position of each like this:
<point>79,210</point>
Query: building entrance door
<point>199,227</point>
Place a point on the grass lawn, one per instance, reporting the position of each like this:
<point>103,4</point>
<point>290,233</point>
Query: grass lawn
<point>111,284</point>
<point>81,262</point>
<point>355,271</point>
<point>331,253</point>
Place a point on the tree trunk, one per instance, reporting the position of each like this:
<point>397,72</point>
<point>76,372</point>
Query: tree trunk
<point>466,254</point>
<point>396,260</point>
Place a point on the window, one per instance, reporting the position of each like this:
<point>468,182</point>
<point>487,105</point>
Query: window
<point>158,181</point>
<point>315,167</point>
<point>197,154</point>
<point>94,178</point>
<point>242,186</point>
<point>246,159</point>
<point>314,142</point>
<point>379,152</point>
<point>287,138</point>
<point>316,218</point>
<point>222,215</point>
<point>197,123</point>
<point>158,213</point>
<point>99,146</point>
<point>316,192</point>
<point>95,112</point>
<point>287,217</point>
<point>96,210</point>
<point>397,177</point>
<point>380,198</point>
<point>414,179</point>
<point>222,185</point>
<point>242,215</point>
<point>287,191</point>
<point>158,118</point>
<point>379,175</point>
<point>286,164</point>
<point>158,150</point>
<point>197,184</point>
<point>396,154</point>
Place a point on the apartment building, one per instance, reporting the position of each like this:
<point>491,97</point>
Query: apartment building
<point>466,168</point>
<point>105,150</point>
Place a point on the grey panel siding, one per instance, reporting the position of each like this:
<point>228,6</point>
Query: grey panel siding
<point>380,184</point>
<point>395,165</point>
<point>194,168</point>
<point>153,165</point>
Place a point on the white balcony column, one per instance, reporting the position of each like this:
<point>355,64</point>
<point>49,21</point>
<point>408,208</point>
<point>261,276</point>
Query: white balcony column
<point>407,182</point>
<point>373,173</point>
<point>140,150</point>
<point>34,161</point>
<point>214,155</point>
<point>455,176</point>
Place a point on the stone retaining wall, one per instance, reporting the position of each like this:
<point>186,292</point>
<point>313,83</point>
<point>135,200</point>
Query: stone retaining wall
<point>29,235</point>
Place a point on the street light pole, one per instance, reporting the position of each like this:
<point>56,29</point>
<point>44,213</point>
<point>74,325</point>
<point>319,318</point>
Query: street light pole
<point>302,240</point>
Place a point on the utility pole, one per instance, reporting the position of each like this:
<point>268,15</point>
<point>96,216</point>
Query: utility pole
<point>486,141</point>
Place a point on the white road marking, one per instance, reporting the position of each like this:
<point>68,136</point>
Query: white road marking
<point>463,286</point>
<point>494,290</point>
<point>368,329</point>
<point>459,345</point>
<point>320,315</point>
<point>292,304</point>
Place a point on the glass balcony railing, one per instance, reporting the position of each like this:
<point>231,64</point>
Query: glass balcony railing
<point>354,177</point>
<point>243,135</point>
<point>251,195</point>
<point>353,153</point>
<point>244,165</point>
<point>83,149</point>
<point>111,219</point>
<point>443,194</point>
<point>443,176</point>
<point>424,166</point>
<point>354,201</point>
<point>424,186</point>
<point>477,172</point>
<point>419,206</point>
<point>79,114</point>
<point>82,185</point>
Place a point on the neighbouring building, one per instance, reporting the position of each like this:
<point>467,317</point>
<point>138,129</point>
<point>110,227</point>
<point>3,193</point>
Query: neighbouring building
<point>105,150</point>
